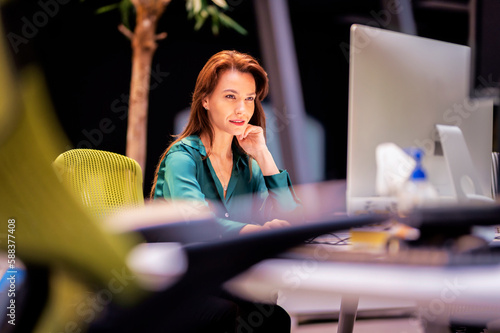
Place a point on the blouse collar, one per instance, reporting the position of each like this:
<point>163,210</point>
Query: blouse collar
<point>194,141</point>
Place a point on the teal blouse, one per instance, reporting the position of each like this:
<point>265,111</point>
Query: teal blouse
<point>185,173</point>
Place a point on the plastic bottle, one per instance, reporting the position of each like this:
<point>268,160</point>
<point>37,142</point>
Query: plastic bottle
<point>417,190</point>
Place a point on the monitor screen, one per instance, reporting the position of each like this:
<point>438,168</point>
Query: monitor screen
<point>484,40</point>
<point>400,87</point>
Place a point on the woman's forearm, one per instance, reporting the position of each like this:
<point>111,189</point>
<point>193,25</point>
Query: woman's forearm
<point>266,162</point>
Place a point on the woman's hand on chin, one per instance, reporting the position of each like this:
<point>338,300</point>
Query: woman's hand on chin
<point>252,140</point>
<point>254,144</point>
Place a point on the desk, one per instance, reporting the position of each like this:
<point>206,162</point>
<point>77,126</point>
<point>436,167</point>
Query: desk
<point>442,293</point>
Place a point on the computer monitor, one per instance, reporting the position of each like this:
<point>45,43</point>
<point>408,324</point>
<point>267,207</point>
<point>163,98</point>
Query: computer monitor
<point>485,46</point>
<point>400,87</point>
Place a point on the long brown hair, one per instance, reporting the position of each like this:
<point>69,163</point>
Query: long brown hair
<point>208,78</point>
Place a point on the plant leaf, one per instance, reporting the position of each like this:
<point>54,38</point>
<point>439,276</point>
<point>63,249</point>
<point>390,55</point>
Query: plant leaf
<point>200,11</point>
<point>229,22</point>
<point>197,6</point>
<point>107,8</point>
<point>189,6</point>
<point>126,9</point>
<point>215,24</point>
<point>200,20</point>
<point>221,3</point>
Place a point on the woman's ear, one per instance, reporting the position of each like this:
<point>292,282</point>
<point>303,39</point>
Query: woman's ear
<point>205,103</point>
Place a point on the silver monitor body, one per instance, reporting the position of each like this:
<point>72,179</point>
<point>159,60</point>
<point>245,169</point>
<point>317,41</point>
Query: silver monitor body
<point>400,87</point>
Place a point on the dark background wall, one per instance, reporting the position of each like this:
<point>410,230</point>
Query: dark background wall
<point>87,63</point>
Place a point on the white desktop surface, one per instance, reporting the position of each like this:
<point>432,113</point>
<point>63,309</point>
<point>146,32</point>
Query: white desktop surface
<point>473,290</point>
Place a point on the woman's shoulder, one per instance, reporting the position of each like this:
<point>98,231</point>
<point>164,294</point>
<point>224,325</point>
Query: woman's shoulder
<point>191,144</point>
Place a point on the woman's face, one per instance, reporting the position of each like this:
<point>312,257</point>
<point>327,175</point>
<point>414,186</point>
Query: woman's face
<point>231,105</point>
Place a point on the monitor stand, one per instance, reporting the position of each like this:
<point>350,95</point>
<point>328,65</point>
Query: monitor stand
<point>465,182</point>
<point>459,184</point>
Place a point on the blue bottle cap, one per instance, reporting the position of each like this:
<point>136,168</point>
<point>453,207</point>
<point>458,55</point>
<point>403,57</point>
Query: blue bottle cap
<point>418,172</point>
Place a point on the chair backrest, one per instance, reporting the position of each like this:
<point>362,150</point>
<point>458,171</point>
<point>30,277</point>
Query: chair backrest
<point>103,181</point>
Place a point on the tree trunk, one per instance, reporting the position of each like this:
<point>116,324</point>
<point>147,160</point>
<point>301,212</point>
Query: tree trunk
<point>143,48</point>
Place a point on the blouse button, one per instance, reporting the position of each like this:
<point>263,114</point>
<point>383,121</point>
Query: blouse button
<point>226,215</point>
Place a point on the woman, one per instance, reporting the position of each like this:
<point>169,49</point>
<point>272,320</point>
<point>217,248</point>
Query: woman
<point>222,156</point>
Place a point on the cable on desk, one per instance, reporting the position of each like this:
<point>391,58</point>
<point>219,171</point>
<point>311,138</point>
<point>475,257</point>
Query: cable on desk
<point>341,241</point>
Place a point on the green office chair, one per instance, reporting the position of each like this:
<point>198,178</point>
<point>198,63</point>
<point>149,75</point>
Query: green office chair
<point>103,181</point>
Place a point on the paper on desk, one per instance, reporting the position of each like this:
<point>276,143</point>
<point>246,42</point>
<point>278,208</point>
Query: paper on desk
<point>394,167</point>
